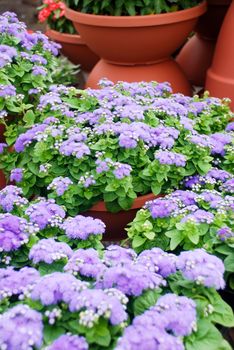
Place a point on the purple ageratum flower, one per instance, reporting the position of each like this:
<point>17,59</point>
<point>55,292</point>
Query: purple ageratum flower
<point>192,181</point>
<point>16,175</point>
<point>122,170</point>
<point>116,255</point>
<point>49,99</point>
<point>60,185</point>
<point>218,174</point>
<point>28,137</point>
<point>85,262</point>
<point>2,146</point>
<point>81,227</point>
<point>21,328</point>
<point>139,337</point>
<point>199,216</point>
<point>7,90</point>
<point>130,279</point>
<point>170,158</point>
<point>158,261</point>
<point>103,165</point>
<point>179,314</point>
<point>169,107</point>
<point>230,127</point>
<point>57,287</point>
<point>225,233</point>
<point>69,342</point>
<point>228,186</point>
<point>38,59</point>
<point>161,208</point>
<point>200,140</point>
<point>202,268</point>
<point>219,141</point>
<point>48,251</point>
<point>186,197</point>
<point>77,149</point>
<point>187,123</point>
<point>15,231</point>
<point>95,304</point>
<point>46,212</point>
<point>11,196</point>
<point>7,53</point>
<point>14,283</point>
<point>38,70</point>
<point>213,198</point>
<point>128,140</point>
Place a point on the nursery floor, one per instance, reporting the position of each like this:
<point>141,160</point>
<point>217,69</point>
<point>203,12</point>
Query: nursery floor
<point>25,10</point>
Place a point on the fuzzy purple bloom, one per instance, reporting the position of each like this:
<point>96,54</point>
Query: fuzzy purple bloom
<point>21,328</point>
<point>16,175</point>
<point>46,212</point>
<point>202,268</point>
<point>170,158</point>
<point>81,227</point>
<point>48,251</point>
<point>85,262</point>
<point>69,342</point>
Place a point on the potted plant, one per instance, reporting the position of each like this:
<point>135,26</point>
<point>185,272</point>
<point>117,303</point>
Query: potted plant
<point>136,40</point>
<point>114,144</point>
<point>62,31</point>
<point>100,298</point>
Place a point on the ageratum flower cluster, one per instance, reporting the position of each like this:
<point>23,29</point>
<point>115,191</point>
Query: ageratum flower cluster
<point>156,138</point>
<point>161,326</point>
<point>23,223</point>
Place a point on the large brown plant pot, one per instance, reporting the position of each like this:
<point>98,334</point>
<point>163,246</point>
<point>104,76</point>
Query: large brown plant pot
<point>74,48</point>
<point>2,180</point>
<point>139,46</point>
<point>220,76</point>
<point>117,222</point>
<point>196,56</point>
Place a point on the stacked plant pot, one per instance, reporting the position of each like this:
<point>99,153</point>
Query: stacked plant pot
<point>137,48</point>
<point>196,56</point>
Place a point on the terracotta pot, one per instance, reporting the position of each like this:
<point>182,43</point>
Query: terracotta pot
<point>142,41</point>
<point>220,76</point>
<point>196,56</point>
<point>2,180</point>
<point>74,48</point>
<point>117,222</point>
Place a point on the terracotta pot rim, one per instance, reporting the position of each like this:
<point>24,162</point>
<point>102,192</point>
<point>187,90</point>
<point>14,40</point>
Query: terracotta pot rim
<point>138,202</point>
<point>64,37</point>
<point>136,21</point>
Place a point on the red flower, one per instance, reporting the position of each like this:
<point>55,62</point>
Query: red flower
<point>44,14</point>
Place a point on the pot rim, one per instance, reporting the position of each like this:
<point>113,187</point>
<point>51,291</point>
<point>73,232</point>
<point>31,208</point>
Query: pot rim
<point>136,21</point>
<point>137,204</point>
<point>64,37</point>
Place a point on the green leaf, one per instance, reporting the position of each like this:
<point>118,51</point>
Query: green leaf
<point>138,241</point>
<point>156,188</point>
<point>176,238</point>
<point>52,332</point>
<point>145,301</point>
<point>207,337</point>
<point>29,118</point>
<point>194,237</point>
<point>149,235</point>
<point>223,313</point>
<point>229,263</point>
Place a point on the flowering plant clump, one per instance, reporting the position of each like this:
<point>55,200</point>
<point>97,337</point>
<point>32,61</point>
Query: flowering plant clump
<point>130,7</point>
<point>173,297</point>
<point>23,223</point>
<point>200,217</point>
<point>115,143</point>
<point>53,13</point>
<point>26,61</point>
